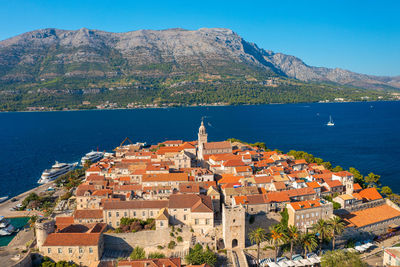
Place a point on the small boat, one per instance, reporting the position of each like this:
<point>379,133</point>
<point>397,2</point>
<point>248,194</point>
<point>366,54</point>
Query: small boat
<point>5,227</point>
<point>330,122</point>
<point>2,199</point>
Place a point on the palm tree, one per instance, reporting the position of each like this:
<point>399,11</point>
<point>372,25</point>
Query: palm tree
<point>337,227</point>
<point>323,230</point>
<point>291,236</point>
<point>276,237</point>
<point>309,242</point>
<point>257,236</point>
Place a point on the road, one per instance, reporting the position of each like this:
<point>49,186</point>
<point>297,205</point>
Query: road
<point>7,205</point>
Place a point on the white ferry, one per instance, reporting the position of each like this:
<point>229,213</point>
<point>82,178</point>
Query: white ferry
<point>93,156</point>
<point>56,170</point>
<point>5,227</point>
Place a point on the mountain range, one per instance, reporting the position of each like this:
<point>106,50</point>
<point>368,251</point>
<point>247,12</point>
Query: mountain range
<point>54,59</point>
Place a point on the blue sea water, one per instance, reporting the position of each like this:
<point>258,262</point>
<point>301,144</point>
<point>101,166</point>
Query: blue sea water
<point>366,135</point>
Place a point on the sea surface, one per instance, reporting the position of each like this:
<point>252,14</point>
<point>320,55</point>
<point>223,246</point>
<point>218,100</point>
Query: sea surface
<point>366,135</point>
<point>19,224</point>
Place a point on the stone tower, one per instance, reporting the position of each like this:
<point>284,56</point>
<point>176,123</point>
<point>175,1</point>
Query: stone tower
<point>349,184</point>
<point>202,139</point>
<point>234,226</point>
<point>43,227</point>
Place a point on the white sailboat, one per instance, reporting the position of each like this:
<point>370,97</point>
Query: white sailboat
<point>330,122</point>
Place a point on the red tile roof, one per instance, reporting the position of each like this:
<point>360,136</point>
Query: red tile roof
<point>218,145</point>
<point>72,239</point>
<point>278,196</point>
<point>333,183</point>
<point>307,204</point>
<point>313,184</point>
<point>171,262</point>
<point>88,214</point>
<point>372,215</point>
<point>357,187</point>
<point>370,194</point>
<point>343,174</point>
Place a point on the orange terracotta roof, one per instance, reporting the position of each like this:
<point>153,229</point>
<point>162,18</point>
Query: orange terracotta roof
<point>233,163</point>
<point>307,204</point>
<point>372,215</point>
<point>217,145</point>
<point>278,196</point>
<point>263,179</point>
<point>72,239</point>
<point>333,183</point>
<point>102,192</point>
<point>279,185</point>
<point>300,192</point>
<point>243,169</point>
<point>300,161</point>
<point>357,187</point>
<point>88,214</point>
<point>169,262</point>
<point>229,178</point>
<point>370,194</point>
<point>313,184</point>
<point>166,177</point>
<point>343,174</point>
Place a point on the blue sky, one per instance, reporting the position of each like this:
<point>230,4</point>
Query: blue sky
<point>362,36</point>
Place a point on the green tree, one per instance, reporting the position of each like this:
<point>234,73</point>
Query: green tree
<point>284,219</point>
<point>337,227</point>
<point>327,165</point>
<point>198,256</point>
<point>172,244</point>
<point>156,255</point>
<point>138,253</point>
<point>336,205</point>
<point>386,190</point>
<point>337,169</point>
<point>339,258</point>
<point>291,236</point>
<point>322,229</point>
<point>309,242</point>
<point>276,238</point>
<point>257,236</point>
<point>358,178</point>
<point>372,179</point>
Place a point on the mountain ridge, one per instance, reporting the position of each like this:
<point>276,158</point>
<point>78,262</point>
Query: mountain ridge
<point>220,42</point>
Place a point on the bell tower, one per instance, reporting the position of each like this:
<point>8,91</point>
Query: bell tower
<point>202,139</point>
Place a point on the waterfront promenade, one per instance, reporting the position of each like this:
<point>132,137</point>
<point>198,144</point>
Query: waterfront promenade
<point>5,207</point>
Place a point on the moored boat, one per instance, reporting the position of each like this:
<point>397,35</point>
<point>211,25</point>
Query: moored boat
<point>56,171</point>
<point>92,156</point>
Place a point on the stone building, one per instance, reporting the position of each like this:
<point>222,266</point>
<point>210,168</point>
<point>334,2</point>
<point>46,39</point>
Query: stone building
<point>234,226</point>
<point>207,148</point>
<point>193,210</point>
<point>304,214</point>
<point>43,228</point>
<point>82,244</point>
<point>376,220</point>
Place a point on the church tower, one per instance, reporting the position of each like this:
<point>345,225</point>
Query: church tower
<point>202,139</point>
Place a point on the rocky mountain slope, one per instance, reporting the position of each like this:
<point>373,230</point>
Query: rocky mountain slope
<point>52,53</point>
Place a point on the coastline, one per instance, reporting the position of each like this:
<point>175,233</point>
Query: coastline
<point>196,106</point>
<point>6,205</point>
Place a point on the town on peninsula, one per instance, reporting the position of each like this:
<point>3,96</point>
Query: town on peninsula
<point>201,203</point>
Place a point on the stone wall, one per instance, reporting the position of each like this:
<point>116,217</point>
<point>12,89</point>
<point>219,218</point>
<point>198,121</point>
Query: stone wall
<point>149,240</point>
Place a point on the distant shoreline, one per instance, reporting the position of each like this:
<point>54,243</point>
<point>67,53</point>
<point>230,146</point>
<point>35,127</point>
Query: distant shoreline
<point>197,106</point>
